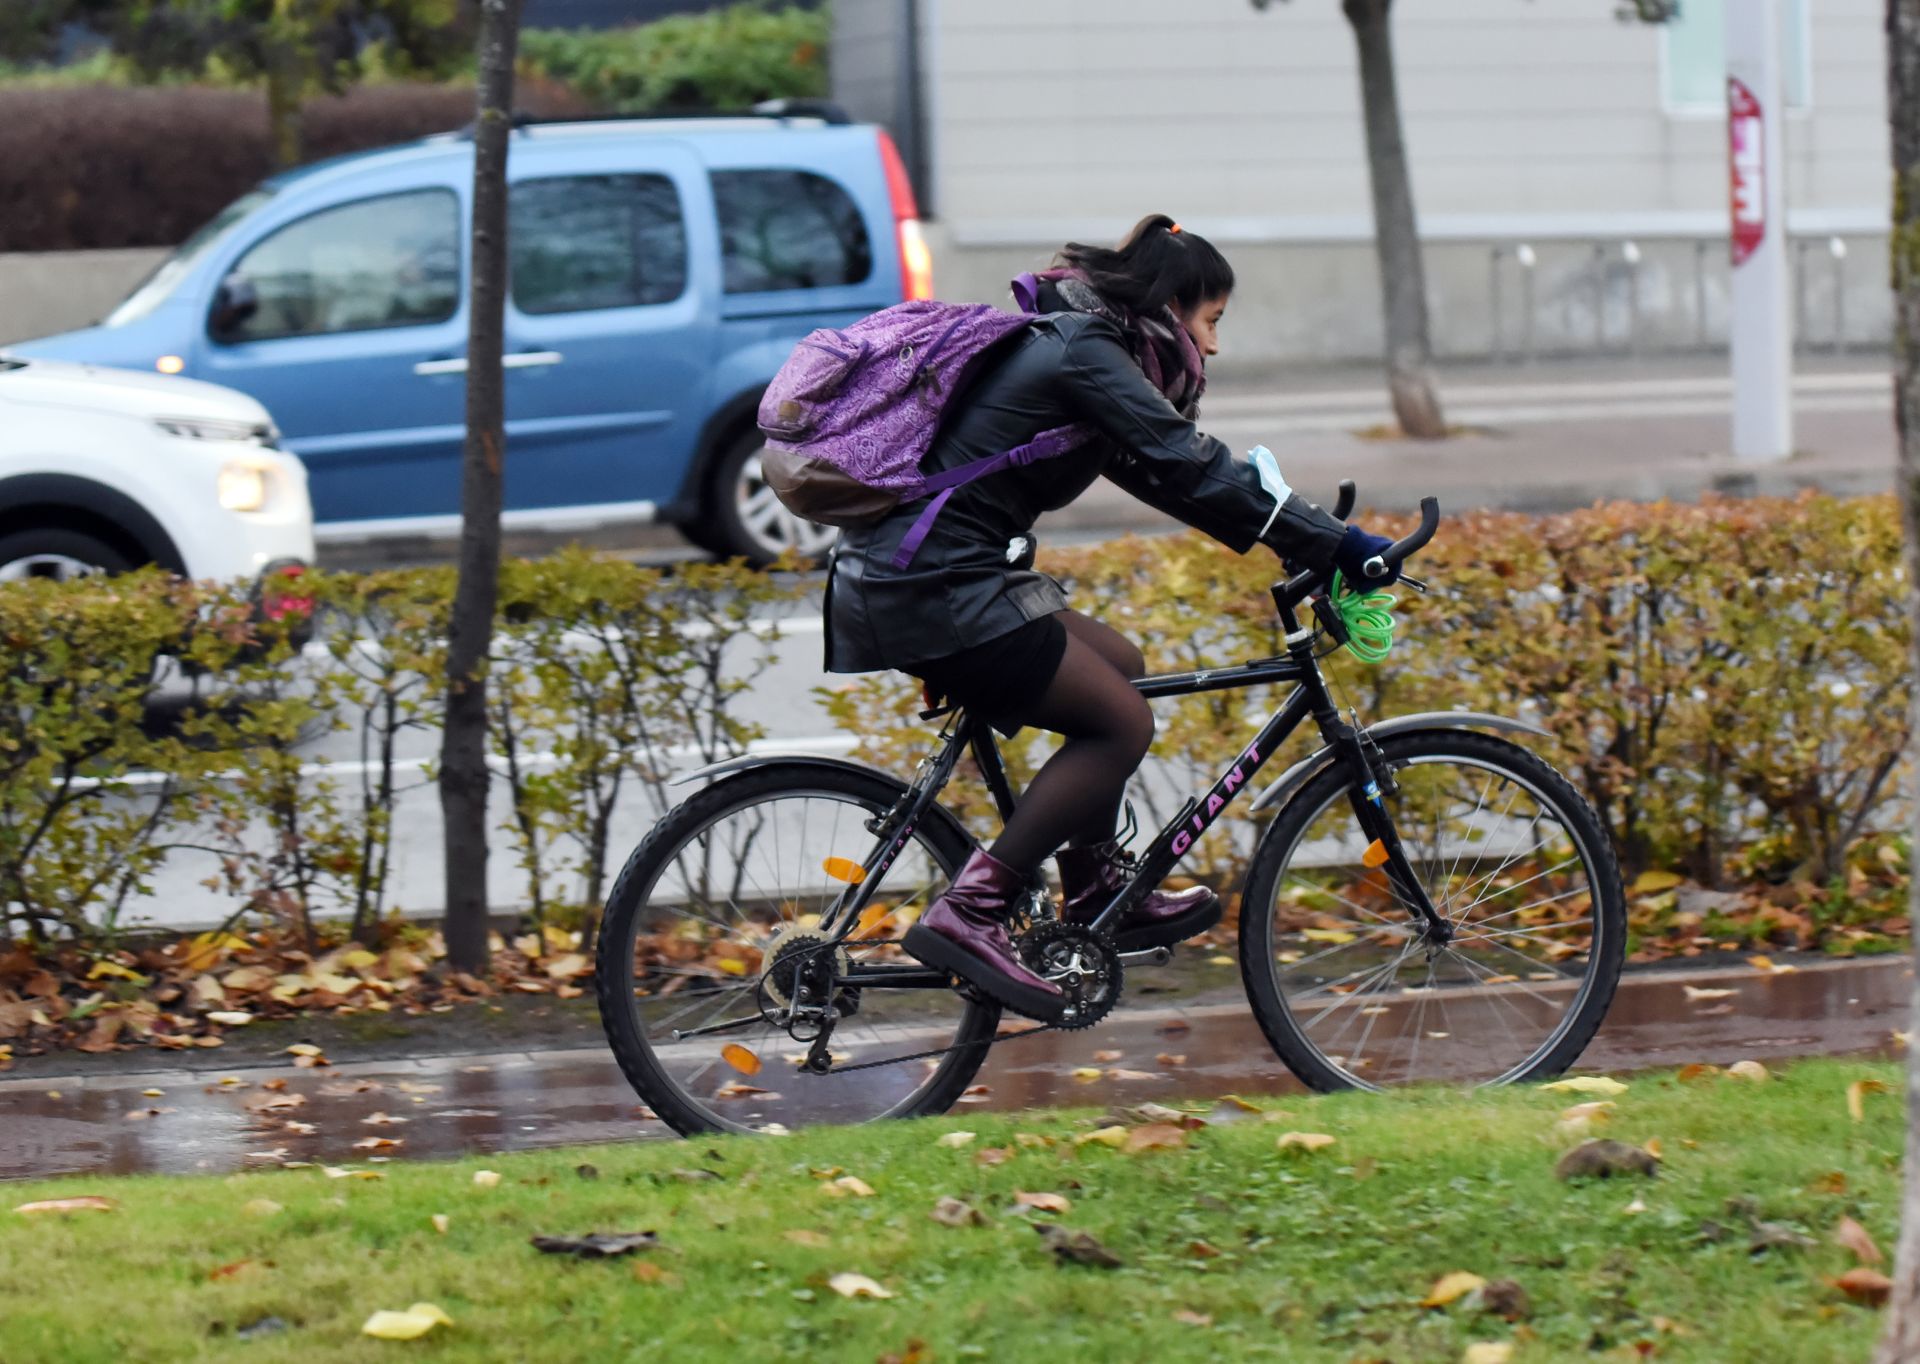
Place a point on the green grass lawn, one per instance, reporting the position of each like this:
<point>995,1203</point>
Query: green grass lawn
<point>1232,1247</point>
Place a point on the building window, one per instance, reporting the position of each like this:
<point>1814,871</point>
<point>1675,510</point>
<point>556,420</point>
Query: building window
<point>1693,69</point>
<point>786,229</point>
<point>583,242</point>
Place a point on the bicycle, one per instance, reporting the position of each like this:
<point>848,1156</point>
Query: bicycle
<point>1429,902</point>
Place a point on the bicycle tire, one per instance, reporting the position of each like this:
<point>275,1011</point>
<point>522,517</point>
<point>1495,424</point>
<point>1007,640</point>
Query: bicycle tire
<point>1258,948</point>
<point>943,838</point>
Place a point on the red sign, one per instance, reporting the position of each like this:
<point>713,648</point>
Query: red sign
<point>1747,169</point>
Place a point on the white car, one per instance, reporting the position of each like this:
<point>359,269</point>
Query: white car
<point>103,470</point>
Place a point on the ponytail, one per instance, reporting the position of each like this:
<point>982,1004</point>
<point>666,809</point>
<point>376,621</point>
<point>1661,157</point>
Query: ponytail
<point>1159,265</point>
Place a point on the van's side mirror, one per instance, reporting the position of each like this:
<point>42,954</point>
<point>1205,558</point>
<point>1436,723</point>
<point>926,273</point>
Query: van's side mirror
<point>233,303</point>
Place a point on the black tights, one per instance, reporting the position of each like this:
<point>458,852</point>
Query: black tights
<point>1107,725</point>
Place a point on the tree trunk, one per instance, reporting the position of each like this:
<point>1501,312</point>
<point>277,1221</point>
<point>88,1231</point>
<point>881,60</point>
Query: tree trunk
<point>286,88</point>
<point>463,748</point>
<point>1396,237</point>
<point>1901,1342</point>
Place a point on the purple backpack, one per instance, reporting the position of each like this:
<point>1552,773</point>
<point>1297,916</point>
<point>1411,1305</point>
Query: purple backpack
<point>852,413</point>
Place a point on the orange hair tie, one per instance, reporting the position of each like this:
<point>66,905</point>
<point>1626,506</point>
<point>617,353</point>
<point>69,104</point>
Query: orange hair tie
<point>1174,228</point>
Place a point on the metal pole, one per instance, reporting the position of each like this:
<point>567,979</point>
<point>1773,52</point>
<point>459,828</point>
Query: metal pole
<point>1700,294</point>
<point>1523,254</point>
<point>1631,254</point>
<point>1496,346</point>
<point>1838,250</point>
<point>1599,297</point>
<point>1762,322</point>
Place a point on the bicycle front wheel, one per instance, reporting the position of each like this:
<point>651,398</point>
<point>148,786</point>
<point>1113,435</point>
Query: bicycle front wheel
<point>713,932</point>
<point>1353,992</point>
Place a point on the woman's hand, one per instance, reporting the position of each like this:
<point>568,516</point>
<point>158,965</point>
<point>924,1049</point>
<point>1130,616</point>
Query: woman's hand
<point>1356,547</point>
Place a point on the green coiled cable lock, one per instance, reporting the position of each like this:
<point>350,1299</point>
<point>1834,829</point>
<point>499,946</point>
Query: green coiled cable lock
<point>1368,619</point>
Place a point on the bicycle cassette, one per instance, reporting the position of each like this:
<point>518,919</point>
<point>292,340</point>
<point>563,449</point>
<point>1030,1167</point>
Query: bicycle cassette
<point>1081,962</point>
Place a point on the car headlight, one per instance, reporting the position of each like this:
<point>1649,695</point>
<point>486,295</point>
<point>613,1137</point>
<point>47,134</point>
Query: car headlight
<point>243,488</point>
<point>214,428</point>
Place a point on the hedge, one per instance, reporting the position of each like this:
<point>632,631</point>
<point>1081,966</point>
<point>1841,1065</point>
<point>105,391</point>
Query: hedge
<point>1727,683</point>
<point>97,166</point>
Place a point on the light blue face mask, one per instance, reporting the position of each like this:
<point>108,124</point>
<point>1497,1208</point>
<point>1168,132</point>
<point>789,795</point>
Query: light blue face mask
<point>1268,468</point>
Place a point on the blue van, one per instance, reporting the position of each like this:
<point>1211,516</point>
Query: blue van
<point>661,271</point>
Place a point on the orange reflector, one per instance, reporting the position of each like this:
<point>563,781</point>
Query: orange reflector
<point>1375,855</point>
<point>840,869</point>
<point>740,1058</point>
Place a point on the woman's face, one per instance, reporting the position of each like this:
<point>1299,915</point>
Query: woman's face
<point>1203,324</point>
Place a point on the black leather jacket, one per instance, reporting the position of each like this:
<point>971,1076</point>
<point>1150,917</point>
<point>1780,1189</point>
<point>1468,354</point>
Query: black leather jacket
<point>960,589</point>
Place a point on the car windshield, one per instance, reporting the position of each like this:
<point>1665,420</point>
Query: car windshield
<point>162,282</point>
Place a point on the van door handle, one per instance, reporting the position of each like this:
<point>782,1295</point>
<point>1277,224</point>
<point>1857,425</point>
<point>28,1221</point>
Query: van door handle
<point>441,367</point>
<point>529,359</point>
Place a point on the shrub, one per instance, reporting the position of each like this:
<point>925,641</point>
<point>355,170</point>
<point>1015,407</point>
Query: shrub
<point>723,59</point>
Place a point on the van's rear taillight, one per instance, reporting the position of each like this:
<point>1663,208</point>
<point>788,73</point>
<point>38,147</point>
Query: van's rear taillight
<point>916,262</point>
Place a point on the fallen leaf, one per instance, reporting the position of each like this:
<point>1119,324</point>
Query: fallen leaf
<point>1697,1070</point>
<point>1488,1352</point>
<point>1170,1059</point>
<point>1235,1101</point>
<point>381,1120</point>
<point>1041,1202</point>
<point>1604,1159</point>
<point>1857,1094</point>
<point>228,1271</point>
<point>441,1222</point>
<point>1186,1318</point>
<point>1505,1298</point>
<point>1203,1250</point>
<point>740,1058</point>
<point>1155,1136</point>
<point>847,1186</point>
<point>915,1352</point>
<point>1594,1110</point>
<point>1451,1286</point>
<point>951,1212</point>
<point>1306,1141</point>
<point>1078,1247</point>
<point>1040,1139</point>
<point>411,1324</point>
<point>1107,1058</point>
<point>1635,1208</point>
<point>733,1089</point>
<point>801,1236</point>
<point>1653,1148</point>
<point>1832,1182</point>
<point>1850,1235</point>
<point>1653,882</point>
<point>85,1203</point>
<point>1868,1287</point>
<point>1086,1074</point>
<point>341,1172</point>
<point>1122,1073</point>
<point>856,1286</point>
<point>647,1271</point>
<point>376,1143</point>
<point>153,1093</point>
<point>1115,1136</point>
<point>954,1140</point>
<point>230,1018</point>
<point>993,1155</point>
<point>260,1207</point>
<point>1697,993</point>
<point>486,1179</point>
<point>1587,1084</point>
<point>1769,965</point>
<point>1747,1070</point>
<point>595,1245</point>
<point>303,1049</point>
<point>1776,1236</point>
<point>1173,1027</point>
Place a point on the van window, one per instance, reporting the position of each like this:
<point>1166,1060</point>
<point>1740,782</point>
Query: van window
<point>788,229</point>
<point>596,241</point>
<point>387,262</point>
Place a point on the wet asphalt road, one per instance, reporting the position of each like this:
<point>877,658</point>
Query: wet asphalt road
<point>521,1100</point>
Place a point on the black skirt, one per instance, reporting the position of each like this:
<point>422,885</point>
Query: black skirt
<point>998,679</point>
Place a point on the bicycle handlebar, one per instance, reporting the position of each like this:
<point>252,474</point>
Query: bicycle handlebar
<point>1303,584</point>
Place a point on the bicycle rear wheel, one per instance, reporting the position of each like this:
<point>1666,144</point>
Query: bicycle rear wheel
<point>715,921</point>
<point>1349,988</point>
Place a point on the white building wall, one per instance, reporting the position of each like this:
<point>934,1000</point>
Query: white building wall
<point>1527,121</point>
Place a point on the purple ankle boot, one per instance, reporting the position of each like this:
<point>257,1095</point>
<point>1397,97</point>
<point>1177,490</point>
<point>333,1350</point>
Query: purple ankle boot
<point>965,932</point>
<point>1090,875</point>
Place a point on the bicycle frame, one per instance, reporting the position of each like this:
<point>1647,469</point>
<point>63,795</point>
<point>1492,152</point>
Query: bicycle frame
<point>1309,698</point>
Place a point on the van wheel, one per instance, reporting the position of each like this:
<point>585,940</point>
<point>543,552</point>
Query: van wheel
<point>58,553</point>
<point>745,518</point>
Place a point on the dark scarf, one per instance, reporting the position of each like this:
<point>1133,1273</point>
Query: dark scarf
<point>1160,344</point>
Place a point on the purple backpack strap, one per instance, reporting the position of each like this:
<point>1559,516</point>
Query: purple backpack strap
<point>1046,445</point>
<point>1026,292</point>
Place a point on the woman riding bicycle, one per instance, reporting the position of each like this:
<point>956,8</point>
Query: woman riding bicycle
<point>1120,345</point>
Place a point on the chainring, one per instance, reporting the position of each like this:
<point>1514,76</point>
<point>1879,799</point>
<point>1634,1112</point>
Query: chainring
<point>1082,962</point>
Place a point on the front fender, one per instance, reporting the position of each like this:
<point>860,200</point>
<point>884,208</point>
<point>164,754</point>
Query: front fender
<point>1307,768</point>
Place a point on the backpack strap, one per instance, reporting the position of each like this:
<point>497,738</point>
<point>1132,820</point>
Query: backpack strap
<point>1046,445</point>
